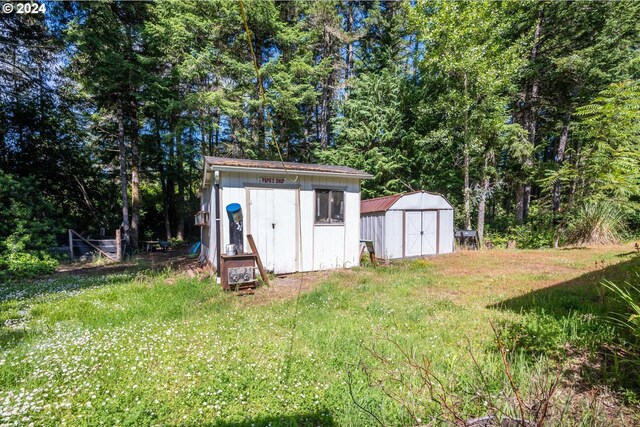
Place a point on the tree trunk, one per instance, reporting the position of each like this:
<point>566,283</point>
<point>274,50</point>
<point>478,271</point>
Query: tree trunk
<point>235,127</point>
<point>526,201</point>
<point>163,182</point>
<point>327,94</point>
<point>180,176</point>
<point>574,185</point>
<point>467,163</point>
<point>124,186</point>
<point>482,203</point>
<point>325,113</point>
<point>214,137</point>
<point>287,146</point>
<point>204,146</point>
<point>171,171</point>
<point>217,134</point>
<point>467,190</point>
<point>305,130</point>
<point>557,189</point>
<point>530,124</point>
<point>260,122</point>
<point>317,123</point>
<point>519,204</point>
<point>349,56</point>
<point>562,146</point>
<point>135,176</point>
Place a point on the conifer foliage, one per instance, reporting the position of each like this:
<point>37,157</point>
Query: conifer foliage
<point>523,114</point>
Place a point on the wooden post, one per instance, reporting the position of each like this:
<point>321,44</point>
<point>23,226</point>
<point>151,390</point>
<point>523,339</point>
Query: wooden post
<point>372,252</point>
<point>70,245</point>
<point>118,246</point>
<point>254,249</point>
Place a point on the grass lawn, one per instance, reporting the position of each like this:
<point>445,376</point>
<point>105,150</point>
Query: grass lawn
<point>143,348</point>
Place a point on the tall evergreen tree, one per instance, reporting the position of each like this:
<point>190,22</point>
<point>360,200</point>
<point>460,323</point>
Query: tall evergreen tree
<point>107,42</point>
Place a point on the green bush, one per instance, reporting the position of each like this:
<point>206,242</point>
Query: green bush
<point>27,221</point>
<point>498,240</point>
<point>531,237</point>
<point>633,224</point>
<point>176,242</point>
<point>536,233</point>
<point>527,236</point>
<point>27,229</point>
<point>27,264</point>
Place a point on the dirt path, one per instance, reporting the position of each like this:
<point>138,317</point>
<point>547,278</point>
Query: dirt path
<point>285,287</point>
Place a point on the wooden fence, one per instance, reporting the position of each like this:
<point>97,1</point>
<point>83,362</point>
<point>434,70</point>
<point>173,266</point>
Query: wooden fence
<point>81,247</point>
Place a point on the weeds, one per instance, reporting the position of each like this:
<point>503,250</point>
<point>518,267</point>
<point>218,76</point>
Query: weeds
<point>598,223</point>
<point>412,383</point>
<point>629,319</point>
<point>630,296</point>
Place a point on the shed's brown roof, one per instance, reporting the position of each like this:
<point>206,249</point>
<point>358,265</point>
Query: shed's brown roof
<point>379,204</point>
<point>293,166</point>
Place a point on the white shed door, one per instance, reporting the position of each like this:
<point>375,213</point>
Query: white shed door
<point>273,224</point>
<point>413,234</point>
<point>429,232</point>
<point>421,233</point>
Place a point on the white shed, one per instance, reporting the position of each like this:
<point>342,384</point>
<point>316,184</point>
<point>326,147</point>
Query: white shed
<point>303,217</point>
<point>408,225</point>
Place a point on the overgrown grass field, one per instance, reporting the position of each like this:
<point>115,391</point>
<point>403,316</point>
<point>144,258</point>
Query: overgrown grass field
<point>147,348</point>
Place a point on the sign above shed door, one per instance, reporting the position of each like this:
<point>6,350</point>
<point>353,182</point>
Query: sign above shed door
<point>273,224</point>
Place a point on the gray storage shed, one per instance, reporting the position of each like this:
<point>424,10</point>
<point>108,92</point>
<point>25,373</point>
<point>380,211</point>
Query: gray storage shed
<point>408,225</point>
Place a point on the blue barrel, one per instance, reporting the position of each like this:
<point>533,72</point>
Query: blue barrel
<point>234,211</point>
<point>236,237</point>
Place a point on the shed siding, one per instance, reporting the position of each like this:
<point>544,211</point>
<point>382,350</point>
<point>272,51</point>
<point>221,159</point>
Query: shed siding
<point>372,227</point>
<point>393,236</point>
<point>446,231</point>
<point>205,206</point>
<point>208,240</point>
<point>330,246</point>
<point>319,246</point>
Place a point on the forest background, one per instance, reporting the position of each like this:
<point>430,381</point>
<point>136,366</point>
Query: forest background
<point>523,114</point>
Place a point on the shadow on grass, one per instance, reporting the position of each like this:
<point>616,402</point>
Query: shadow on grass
<point>11,337</point>
<point>572,320</point>
<point>319,418</point>
<point>582,295</point>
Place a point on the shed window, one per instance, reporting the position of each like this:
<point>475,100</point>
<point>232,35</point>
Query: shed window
<point>329,207</point>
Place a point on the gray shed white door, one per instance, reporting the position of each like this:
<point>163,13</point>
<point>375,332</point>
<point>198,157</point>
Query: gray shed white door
<point>421,233</point>
<point>273,224</point>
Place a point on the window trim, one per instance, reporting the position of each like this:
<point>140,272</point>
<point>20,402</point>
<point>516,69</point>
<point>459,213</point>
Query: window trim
<point>330,187</point>
<point>315,205</point>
